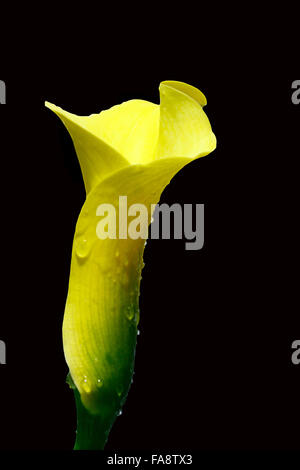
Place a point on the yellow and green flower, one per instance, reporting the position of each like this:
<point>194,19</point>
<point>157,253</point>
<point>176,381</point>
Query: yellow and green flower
<point>131,149</point>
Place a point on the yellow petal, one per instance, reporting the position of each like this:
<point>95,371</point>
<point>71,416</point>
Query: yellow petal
<point>184,130</point>
<point>138,132</point>
<point>97,158</point>
<point>131,128</point>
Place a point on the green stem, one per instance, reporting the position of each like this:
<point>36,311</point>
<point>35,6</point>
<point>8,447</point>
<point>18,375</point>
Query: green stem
<point>92,430</point>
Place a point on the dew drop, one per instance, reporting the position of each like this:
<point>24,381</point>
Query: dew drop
<point>99,383</point>
<point>130,312</point>
<point>138,332</point>
<point>70,382</point>
<point>120,412</point>
<point>82,248</point>
<point>86,385</point>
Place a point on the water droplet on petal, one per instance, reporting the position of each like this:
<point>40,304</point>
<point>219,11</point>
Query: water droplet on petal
<point>86,384</point>
<point>130,312</point>
<point>70,382</point>
<point>138,332</point>
<point>99,383</point>
<point>82,248</point>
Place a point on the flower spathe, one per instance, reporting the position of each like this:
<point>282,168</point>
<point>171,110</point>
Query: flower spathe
<point>131,149</point>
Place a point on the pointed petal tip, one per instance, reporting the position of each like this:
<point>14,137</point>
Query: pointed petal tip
<point>65,116</point>
<point>54,108</point>
<point>49,105</point>
<point>183,87</point>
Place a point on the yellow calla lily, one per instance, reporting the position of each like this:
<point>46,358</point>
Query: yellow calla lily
<point>132,149</point>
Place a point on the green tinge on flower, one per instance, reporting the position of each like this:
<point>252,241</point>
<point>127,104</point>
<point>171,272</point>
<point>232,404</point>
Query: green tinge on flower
<point>132,149</point>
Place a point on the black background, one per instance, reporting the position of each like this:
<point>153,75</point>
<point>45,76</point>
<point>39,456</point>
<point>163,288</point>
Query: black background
<point>213,364</point>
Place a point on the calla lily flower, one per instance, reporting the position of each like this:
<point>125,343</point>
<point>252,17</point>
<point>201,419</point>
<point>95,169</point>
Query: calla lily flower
<point>131,149</point>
